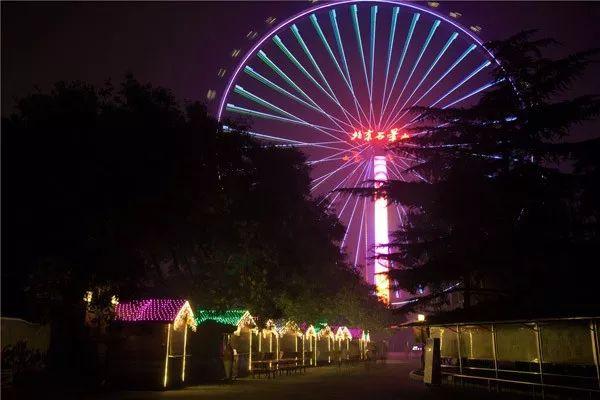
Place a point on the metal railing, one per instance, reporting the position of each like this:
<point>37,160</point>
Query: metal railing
<point>536,372</point>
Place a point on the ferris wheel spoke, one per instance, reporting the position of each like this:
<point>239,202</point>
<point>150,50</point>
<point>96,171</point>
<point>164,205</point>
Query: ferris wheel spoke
<point>251,72</point>
<point>259,114</point>
<point>452,90</point>
<point>285,77</point>
<point>395,171</point>
<point>434,27</point>
<point>362,220</point>
<point>396,206</point>
<point>372,48</point>
<point>325,42</point>
<point>342,53</point>
<point>315,65</point>
<point>450,69</point>
<point>277,40</point>
<point>323,178</point>
<point>340,46</point>
<point>351,219</point>
<point>294,143</point>
<point>409,35</point>
<point>324,160</point>
<point>426,75</point>
<point>465,80</point>
<point>392,34</point>
<point>328,158</point>
<point>474,92</point>
<point>328,175</point>
<point>360,176</point>
<point>264,58</point>
<point>354,15</point>
<point>412,171</point>
<point>339,184</point>
<point>258,100</point>
<point>317,181</point>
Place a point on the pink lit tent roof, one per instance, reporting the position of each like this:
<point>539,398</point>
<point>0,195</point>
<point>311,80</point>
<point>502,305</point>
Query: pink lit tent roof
<point>154,310</point>
<point>356,332</point>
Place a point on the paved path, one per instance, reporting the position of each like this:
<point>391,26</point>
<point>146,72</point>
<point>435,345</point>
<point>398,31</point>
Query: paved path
<point>380,381</point>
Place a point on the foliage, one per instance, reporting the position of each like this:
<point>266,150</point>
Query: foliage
<point>120,191</point>
<point>502,209</point>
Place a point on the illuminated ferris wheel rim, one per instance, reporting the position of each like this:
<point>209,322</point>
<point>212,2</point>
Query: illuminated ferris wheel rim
<point>294,18</point>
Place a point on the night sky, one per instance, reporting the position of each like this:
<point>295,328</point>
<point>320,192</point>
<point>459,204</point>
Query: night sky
<point>182,45</point>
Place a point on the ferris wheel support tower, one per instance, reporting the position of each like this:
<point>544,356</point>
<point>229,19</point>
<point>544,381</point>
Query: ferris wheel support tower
<point>379,275</point>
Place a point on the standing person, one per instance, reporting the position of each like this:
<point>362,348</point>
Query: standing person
<point>227,355</point>
<point>384,351</point>
<point>234,362</point>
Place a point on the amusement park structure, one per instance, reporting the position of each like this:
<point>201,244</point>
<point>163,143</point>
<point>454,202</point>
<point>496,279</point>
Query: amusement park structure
<point>339,81</point>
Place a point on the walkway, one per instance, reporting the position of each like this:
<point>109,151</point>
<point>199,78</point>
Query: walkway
<point>380,381</point>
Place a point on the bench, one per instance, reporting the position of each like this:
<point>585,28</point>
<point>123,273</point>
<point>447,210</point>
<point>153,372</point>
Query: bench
<point>265,365</point>
<point>290,362</point>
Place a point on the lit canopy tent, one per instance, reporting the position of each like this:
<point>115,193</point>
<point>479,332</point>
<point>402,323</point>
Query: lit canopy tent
<point>359,341</point>
<point>152,341</point>
<point>288,332</point>
<point>326,333</point>
<point>238,320</point>
<point>237,323</point>
<point>365,339</point>
<point>311,335</point>
<point>268,332</point>
<point>343,335</point>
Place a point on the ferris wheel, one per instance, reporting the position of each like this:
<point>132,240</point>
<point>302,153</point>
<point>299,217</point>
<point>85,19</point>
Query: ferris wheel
<point>338,81</point>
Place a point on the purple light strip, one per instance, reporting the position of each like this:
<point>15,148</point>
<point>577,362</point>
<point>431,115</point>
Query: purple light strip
<point>326,176</point>
<point>365,172</point>
<point>340,183</point>
<point>362,173</point>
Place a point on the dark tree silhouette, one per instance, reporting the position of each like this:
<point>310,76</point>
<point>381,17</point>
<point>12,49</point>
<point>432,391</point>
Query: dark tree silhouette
<point>120,191</point>
<point>504,210</point>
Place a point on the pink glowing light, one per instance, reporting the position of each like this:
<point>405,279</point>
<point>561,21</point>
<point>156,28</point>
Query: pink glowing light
<point>151,310</point>
<point>356,332</point>
<point>380,278</point>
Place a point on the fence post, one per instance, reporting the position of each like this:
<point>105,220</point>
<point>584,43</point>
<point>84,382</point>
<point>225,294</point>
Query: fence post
<point>538,337</point>
<point>250,348</point>
<point>495,350</point>
<point>303,349</point>
<point>595,350</point>
<point>460,367</point>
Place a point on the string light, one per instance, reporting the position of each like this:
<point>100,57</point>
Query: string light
<point>285,327</point>
<point>176,311</point>
<point>343,333</point>
<point>236,318</point>
<point>87,297</point>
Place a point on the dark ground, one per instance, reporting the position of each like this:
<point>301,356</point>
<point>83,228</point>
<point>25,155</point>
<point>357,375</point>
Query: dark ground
<point>390,381</point>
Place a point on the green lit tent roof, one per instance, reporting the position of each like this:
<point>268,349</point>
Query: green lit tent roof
<point>319,326</point>
<point>227,317</point>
